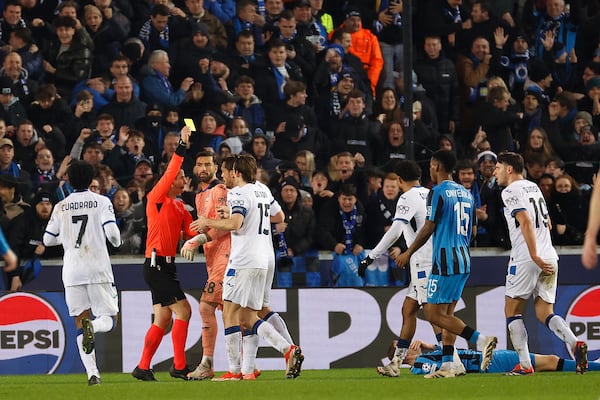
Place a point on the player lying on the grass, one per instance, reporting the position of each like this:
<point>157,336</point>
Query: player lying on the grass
<point>425,358</point>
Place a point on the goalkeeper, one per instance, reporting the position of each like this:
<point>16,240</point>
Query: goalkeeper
<point>411,212</point>
<point>212,193</point>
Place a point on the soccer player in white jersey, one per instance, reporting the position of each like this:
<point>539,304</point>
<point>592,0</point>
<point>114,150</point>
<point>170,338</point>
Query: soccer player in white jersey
<point>81,223</point>
<point>251,211</point>
<point>411,212</point>
<point>533,265</point>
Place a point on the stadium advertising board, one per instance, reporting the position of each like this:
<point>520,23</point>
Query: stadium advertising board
<point>337,328</point>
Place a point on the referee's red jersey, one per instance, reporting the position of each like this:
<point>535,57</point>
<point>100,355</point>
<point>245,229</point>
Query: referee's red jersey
<point>167,217</point>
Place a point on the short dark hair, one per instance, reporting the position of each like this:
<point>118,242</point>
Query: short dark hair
<point>408,170</point>
<point>463,164</point>
<point>293,87</point>
<point>447,158</point>
<point>245,164</point>
<point>205,153</point>
<point>80,174</point>
<point>347,189</point>
<point>65,22</point>
<point>244,79</point>
<point>515,160</point>
<point>160,9</point>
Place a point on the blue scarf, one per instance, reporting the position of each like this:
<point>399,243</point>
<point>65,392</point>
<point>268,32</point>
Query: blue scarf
<point>280,82</point>
<point>349,222</point>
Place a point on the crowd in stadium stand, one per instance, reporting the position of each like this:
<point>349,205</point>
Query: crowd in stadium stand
<point>314,90</point>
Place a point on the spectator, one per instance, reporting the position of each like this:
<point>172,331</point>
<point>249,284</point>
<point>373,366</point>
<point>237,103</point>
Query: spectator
<point>535,166</point>
<point>224,10</point>
<point>244,59</point>
<point>67,59</point>
<point>44,176</point>
<point>381,209</point>
<point>156,87</point>
<point>555,166</point>
<point>309,25</point>
<point>393,147</point>
<point>156,33</point>
<point>107,35</point>
<point>305,162</point>
<point>11,20</point>
<point>346,172</point>
<point>389,107</point>
<point>16,222</point>
<point>239,130</point>
<point>196,12</point>
<point>473,70</point>
<point>300,222</point>
<point>515,63</point>
<point>298,48</point>
<point>12,110</point>
<point>537,143</point>
<point>125,107</point>
<point>494,231</point>
<point>246,19</point>
<point>270,78</point>
<point>497,120</point>
<point>388,29</point>
<point>365,46</point>
<point>249,105</point>
<point>52,117</point>
<point>24,87</point>
<point>571,220</point>
<point>188,51</point>
<point>438,76</point>
<point>295,123</point>
<point>341,228</point>
<point>9,167</point>
<point>355,133</point>
<point>259,149</point>
<point>129,220</point>
<point>125,154</point>
<point>42,204</point>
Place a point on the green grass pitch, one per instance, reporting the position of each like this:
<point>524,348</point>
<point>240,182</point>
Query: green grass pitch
<point>340,384</point>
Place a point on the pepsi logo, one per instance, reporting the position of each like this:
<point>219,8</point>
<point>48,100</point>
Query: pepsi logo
<point>583,318</point>
<point>32,335</point>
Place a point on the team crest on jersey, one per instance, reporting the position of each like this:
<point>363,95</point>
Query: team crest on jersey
<point>512,201</point>
<point>403,209</point>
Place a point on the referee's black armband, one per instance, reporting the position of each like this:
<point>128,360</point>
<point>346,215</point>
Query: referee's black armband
<point>181,149</point>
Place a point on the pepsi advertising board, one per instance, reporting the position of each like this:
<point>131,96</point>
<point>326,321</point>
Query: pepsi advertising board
<point>337,328</point>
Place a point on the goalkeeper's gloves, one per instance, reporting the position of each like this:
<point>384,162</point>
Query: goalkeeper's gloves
<point>188,250</point>
<point>364,264</point>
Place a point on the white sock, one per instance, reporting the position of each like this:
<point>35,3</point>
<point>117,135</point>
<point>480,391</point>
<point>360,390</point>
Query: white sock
<point>560,328</point>
<point>268,333</point>
<point>104,323</point>
<point>518,337</point>
<point>249,350</point>
<point>88,360</point>
<point>447,365</point>
<point>233,345</point>
<point>399,355</point>
<point>481,341</point>
<point>280,326</point>
<point>207,360</point>
<point>456,362</point>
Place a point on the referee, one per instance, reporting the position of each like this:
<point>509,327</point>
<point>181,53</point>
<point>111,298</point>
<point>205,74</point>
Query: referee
<point>167,219</point>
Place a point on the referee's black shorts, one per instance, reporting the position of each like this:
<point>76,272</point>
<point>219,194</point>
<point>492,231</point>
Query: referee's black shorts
<point>163,282</point>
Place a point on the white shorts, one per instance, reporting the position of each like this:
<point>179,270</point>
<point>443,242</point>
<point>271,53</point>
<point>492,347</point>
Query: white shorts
<point>101,298</point>
<point>245,287</point>
<point>525,280</point>
<point>419,275</point>
<point>269,284</point>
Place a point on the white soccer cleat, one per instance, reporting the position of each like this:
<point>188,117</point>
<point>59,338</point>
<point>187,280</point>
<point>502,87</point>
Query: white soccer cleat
<point>441,373</point>
<point>391,370</point>
<point>487,352</point>
<point>202,371</point>
<point>459,369</point>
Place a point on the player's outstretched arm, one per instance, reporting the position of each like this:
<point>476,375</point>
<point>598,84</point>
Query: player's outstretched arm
<point>589,257</point>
